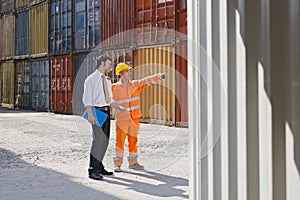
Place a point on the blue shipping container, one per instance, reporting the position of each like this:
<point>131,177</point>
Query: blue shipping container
<point>60,27</point>
<point>40,85</point>
<point>22,33</point>
<point>85,64</point>
<point>87,24</point>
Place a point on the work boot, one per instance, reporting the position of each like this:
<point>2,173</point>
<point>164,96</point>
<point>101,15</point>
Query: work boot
<point>117,169</point>
<point>103,171</point>
<point>136,166</point>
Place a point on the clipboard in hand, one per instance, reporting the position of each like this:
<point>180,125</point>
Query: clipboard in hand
<point>98,114</point>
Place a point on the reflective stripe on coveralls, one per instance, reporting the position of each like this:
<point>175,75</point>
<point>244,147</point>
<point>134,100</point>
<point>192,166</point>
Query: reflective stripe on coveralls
<point>128,109</point>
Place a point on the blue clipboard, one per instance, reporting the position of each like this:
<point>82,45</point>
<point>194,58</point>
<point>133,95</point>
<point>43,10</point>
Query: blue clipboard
<point>98,114</point>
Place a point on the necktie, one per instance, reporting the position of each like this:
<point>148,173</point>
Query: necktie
<point>105,89</point>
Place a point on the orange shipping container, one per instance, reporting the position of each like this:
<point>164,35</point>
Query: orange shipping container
<point>7,36</point>
<point>39,29</point>
<point>61,84</point>
<point>157,101</point>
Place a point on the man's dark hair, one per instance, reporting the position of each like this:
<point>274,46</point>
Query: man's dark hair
<point>102,58</point>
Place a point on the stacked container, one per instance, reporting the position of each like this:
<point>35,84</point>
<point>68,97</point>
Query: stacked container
<point>61,83</point>
<point>86,25</point>
<point>22,34</point>
<point>7,83</point>
<point>84,65</point>
<point>22,84</point>
<point>39,30</point>
<point>60,27</point>
<point>7,37</point>
<point>40,84</point>
<point>162,45</point>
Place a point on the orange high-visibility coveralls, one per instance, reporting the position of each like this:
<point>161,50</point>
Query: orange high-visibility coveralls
<point>127,123</point>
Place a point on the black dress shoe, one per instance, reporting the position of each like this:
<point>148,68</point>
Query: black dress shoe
<point>95,176</point>
<point>104,172</point>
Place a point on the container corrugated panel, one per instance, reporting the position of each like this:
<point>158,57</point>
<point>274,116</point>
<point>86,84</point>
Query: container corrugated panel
<point>155,21</point>
<point>22,84</point>
<point>7,83</point>
<point>6,6</point>
<point>117,19</point>
<point>21,4</point>
<point>157,101</point>
<point>117,56</point>
<point>84,65</point>
<point>7,37</point>
<point>182,17</point>
<point>39,29</point>
<point>34,2</point>
<point>22,33</point>
<point>60,27</point>
<point>87,24</point>
<point>61,84</point>
<point>40,84</point>
<point>181,85</point>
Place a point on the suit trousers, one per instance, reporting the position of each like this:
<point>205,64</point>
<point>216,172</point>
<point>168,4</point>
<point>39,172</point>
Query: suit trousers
<point>100,143</point>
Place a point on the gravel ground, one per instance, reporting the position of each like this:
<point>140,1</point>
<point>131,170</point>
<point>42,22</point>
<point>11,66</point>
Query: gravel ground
<point>45,156</point>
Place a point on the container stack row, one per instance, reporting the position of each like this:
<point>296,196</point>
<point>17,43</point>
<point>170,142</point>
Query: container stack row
<point>49,47</point>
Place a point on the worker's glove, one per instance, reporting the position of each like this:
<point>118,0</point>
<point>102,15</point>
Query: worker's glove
<point>162,75</point>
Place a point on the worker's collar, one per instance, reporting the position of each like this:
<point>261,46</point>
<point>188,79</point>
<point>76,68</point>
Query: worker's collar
<point>128,83</point>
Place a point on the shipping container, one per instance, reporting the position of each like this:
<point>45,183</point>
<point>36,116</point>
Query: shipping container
<point>155,21</point>
<point>84,65</point>
<point>117,56</point>
<point>7,86</point>
<point>22,33</point>
<point>181,85</point>
<point>87,24</point>
<point>22,4</point>
<point>158,100</point>
<point>6,6</point>
<point>39,29</point>
<point>60,27</point>
<point>61,84</point>
<point>22,84</point>
<point>40,84</point>
<point>7,37</point>
<point>117,19</point>
<point>34,2</point>
<point>181,18</point>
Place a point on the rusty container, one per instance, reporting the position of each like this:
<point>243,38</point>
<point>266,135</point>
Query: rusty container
<point>181,85</point>
<point>61,84</point>
<point>117,21</point>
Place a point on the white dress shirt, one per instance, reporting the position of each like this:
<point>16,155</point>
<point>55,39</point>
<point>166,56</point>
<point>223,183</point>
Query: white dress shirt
<point>93,93</point>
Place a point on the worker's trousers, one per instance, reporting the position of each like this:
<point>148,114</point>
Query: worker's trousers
<point>129,129</point>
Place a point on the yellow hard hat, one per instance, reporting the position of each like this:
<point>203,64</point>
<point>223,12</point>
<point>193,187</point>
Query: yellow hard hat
<point>121,66</point>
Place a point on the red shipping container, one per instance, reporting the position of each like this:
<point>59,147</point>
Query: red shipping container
<point>117,18</point>
<point>61,84</point>
<point>181,85</point>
